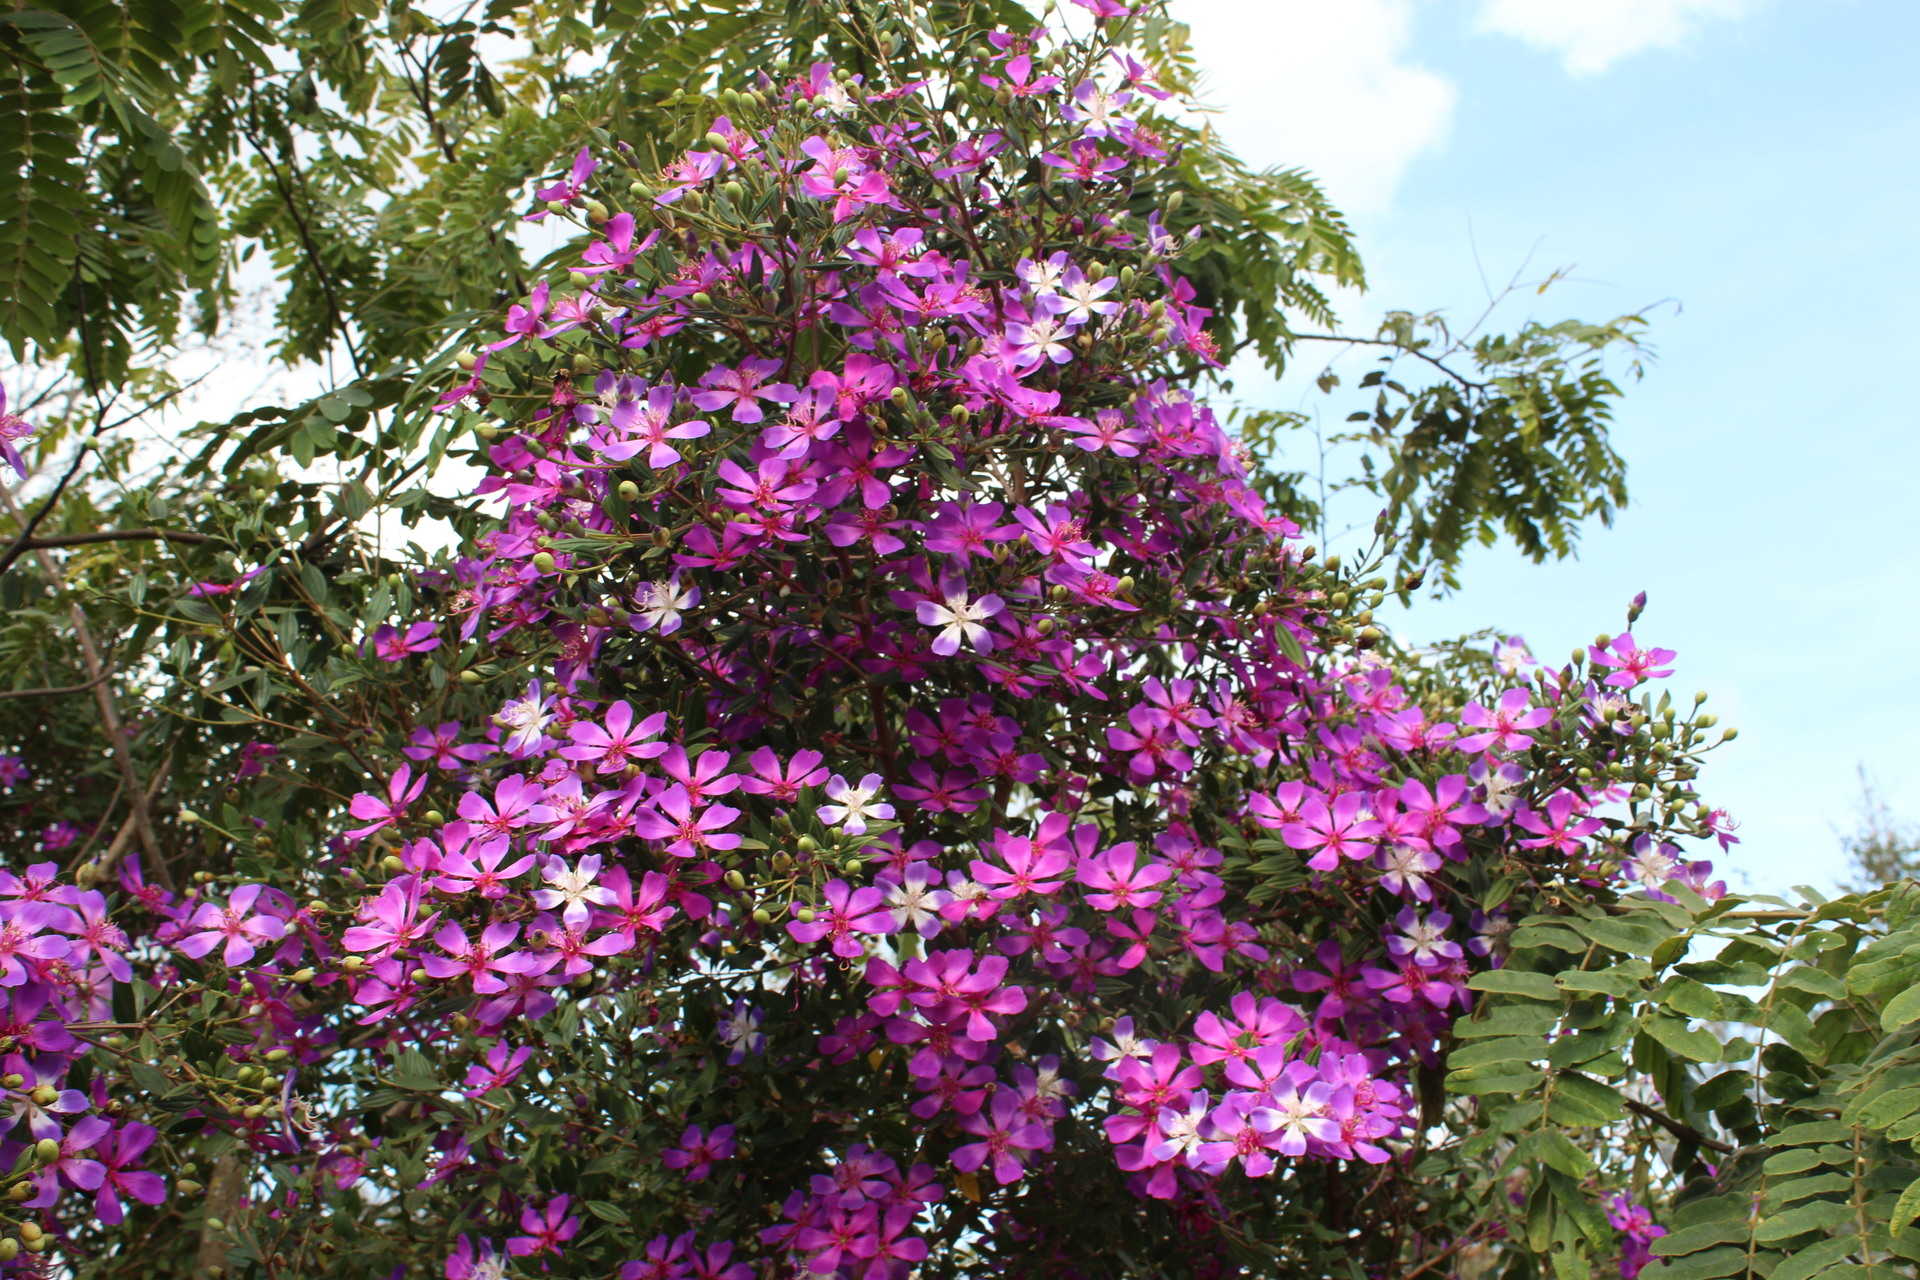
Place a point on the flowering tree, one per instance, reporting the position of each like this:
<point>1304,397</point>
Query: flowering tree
<point>889,795</point>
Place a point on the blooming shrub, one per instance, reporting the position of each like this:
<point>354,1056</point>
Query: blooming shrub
<point>951,807</point>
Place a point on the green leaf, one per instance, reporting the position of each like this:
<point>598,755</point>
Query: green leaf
<point>607,1212</point>
<point>1515,982</point>
<point>1700,1266</point>
<point>1693,1239</point>
<point>1682,1040</point>
<point>1818,1216</point>
<point>1906,1209</point>
<point>1901,1010</point>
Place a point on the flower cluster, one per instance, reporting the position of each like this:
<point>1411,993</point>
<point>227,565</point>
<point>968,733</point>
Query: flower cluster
<point>927,690</point>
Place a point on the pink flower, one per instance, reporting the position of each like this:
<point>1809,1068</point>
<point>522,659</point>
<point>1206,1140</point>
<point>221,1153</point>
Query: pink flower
<point>390,645</point>
<point>1632,665</point>
<point>547,1230</point>
<point>378,813</point>
<point>236,924</point>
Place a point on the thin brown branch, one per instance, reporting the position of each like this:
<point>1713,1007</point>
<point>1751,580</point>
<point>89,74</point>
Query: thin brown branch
<point>55,691</point>
<point>117,535</point>
<point>1684,1132</point>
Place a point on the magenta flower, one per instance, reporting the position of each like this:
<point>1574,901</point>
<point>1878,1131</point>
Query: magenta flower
<point>237,925</point>
<point>610,749</point>
<point>1631,664</point>
<point>1004,1134</point>
<point>117,1155</point>
<point>390,645</point>
<point>686,830</point>
<point>548,1230</point>
<point>847,911</point>
<point>779,783</point>
<point>697,1152</point>
<point>378,813</point>
<point>503,1067</point>
<point>1341,830</point>
<point>741,389</point>
<point>13,429</point>
<point>1502,726</point>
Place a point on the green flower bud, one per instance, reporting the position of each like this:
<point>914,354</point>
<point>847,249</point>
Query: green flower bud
<point>717,140</point>
<point>736,881</point>
<point>471,677</point>
<point>46,1151</point>
<point>467,359</point>
<point>598,212</point>
<point>9,1249</point>
<point>703,300</point>
<point>628,491</point>
<point>762,916</point>
<point>543,561</point>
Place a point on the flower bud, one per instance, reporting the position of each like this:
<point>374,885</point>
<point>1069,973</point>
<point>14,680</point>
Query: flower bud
<point>556,206</point>
<point>900,397</point>
<point>807,844</point>
<point>806,915</point>
<point>20,1191</point>
<point>703,300</point>
<point>717,140</point>
<point>1125,584</point>
<point>565,100</point>
<point>45,1095</point>
<point>188,1187</point>
<point>467,359</point>
<point>639,190</point>
<point>13,1080</point>
<point>471,677</point>
<point>46,1151</point>
<point>9,1249</point>
<point>392,865</point>
<point>762,916</point>
<point>735,192</point>
<point>628,491</point>
<point>214,1224</point>
<point>736,881</point>
<point>189,817</point>
<point>353,964</point>
<point>543,561</point>
<point>1602,640</point>
<point>31,1231</point>
<point>420,976</point>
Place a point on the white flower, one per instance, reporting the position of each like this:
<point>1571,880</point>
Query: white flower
<point>572,889</point>
<point>526,719</point>
<point>853,805</point>
<point>916,900</point>
<point>661,604</point>
<point>960,619</point>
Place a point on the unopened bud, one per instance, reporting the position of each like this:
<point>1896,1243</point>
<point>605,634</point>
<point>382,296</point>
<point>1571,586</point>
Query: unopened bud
<point>467,359</point>
<point>628,491</point>
<point>215,1224</point>
<point>736,881</point>
<point>735,192</point>
<point>639,190</point>
<point>31,1231</point>
<point>806,915</point>
<point>45,1095</point>
<point>188,1187</point>
<point>565,100</point>
<point>13,1080</point>
<point>717,140</point>
<point>392,865</point>
<point>842,176</point>
<point>703,300</point>
<point>806,844</point>
<point>9,1249</point>
<point>598,212</point>
<point>420,976</point>
<point>46,1151</point>
<point>1125,584</point>
<point>556,206</point>
<point>762,916</point>
<point>543,561</point>
<point>471,677</point>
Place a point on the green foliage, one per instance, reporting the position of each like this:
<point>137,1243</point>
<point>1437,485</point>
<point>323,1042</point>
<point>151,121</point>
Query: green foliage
<point>1755,1061</point>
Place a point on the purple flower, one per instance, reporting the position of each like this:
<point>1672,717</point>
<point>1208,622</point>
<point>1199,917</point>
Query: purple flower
<point>13,430</point>
<point>237,925</point>
<point>503,1066</point>
<point>697,1152</point>
<point>390,645</point>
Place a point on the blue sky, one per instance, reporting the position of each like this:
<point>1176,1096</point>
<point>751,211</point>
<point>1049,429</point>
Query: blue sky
<point>1753,161</point>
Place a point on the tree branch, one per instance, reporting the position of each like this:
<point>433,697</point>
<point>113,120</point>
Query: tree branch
<point>117,535</point>
<point>1684,1132</point>
<point>55,690</point>
<point>1468,383</point>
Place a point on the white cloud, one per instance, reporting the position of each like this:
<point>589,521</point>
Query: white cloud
<point>1323,84</point>
<point>1590,35</point>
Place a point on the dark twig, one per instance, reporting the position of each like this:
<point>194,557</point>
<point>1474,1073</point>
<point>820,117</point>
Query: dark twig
<point>52,691</point>
<point>117,535</point>
<point>24,541</point>
<point>1684,1132</point>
